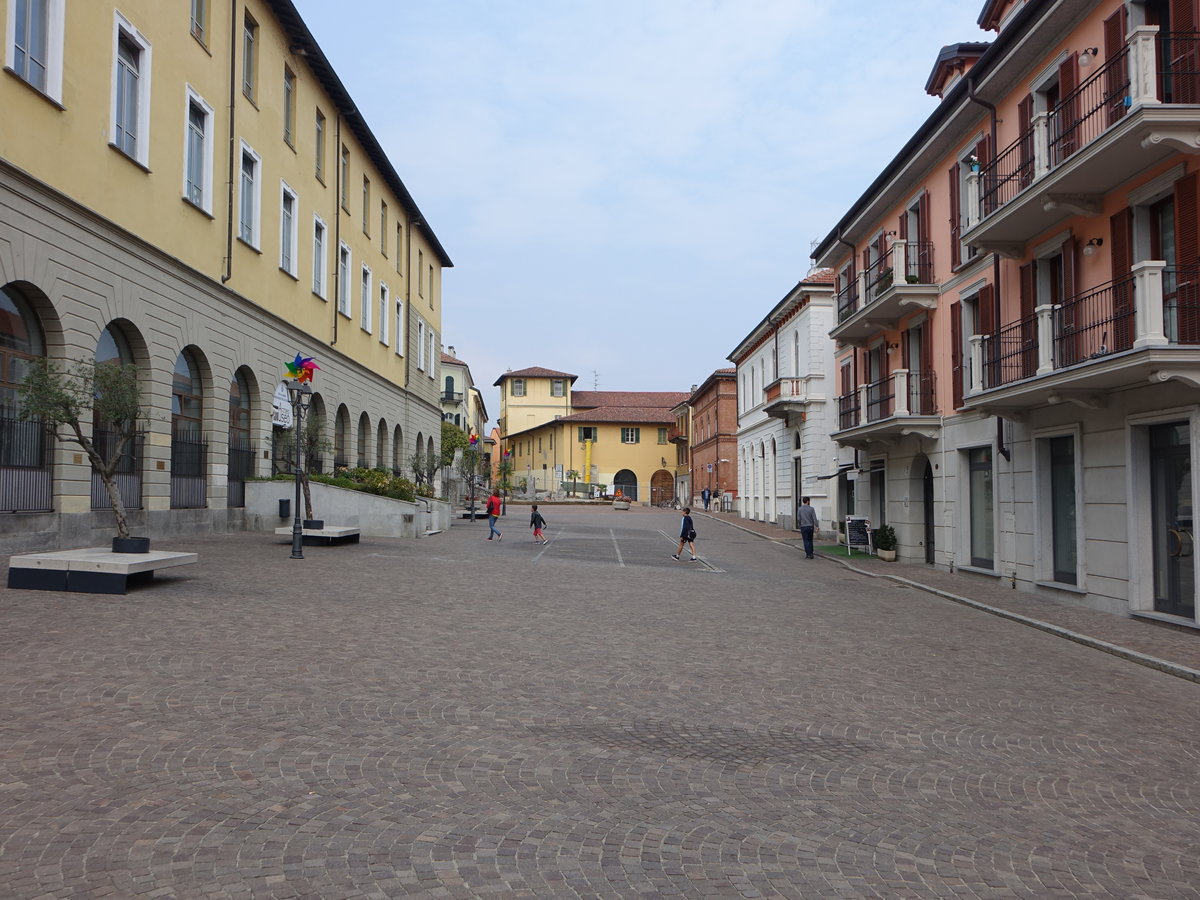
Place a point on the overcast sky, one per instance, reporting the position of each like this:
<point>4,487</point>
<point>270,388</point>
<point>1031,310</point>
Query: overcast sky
<point>627,188</point>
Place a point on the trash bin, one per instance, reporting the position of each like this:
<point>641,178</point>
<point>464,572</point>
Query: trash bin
<point>285,507</point>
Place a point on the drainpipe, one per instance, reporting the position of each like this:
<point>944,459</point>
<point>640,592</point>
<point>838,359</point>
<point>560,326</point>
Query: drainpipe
<point>337,225</point>
<point>233,34</point>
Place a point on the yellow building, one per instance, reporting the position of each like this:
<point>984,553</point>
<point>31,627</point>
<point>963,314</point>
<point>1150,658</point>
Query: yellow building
<point>192,189</point>
<point>618,439</point>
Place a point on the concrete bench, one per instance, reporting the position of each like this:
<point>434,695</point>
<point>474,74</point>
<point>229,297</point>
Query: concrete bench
<point>330,534</point>
<point>93,570</point>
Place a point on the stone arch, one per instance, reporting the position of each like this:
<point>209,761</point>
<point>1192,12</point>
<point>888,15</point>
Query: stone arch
<point>662,487</point>
<point>363,441</point>
<point>341,437</point>
<point>381,444</point>
<point>626,482</point>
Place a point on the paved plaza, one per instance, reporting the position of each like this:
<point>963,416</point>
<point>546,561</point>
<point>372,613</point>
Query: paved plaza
<point>452,717</point>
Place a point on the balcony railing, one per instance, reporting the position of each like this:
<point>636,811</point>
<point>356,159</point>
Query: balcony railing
<point>892,400</point>
<point>452,396</point>
<point>1153,68</point>
<point>881,399</point>
<point>1011,353</point>
<point>1153,306</point>
<point>918,262</point>
<point>922,393</point>
<point>848,406</point>
<point>877,277</point>
<point>1082,115</point>
<point>26,466</point>
<point>847,300</point>
<point>677,435</point>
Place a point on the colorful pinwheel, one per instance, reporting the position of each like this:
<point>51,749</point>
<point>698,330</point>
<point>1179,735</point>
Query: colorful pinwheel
<point>474,439</point>
<point>302,368</point>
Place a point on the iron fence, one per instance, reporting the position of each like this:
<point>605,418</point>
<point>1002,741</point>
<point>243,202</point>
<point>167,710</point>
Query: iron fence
<point>1086,112</point>
<point>26,466</point>
<point>241,467</point>
<point>1179,76</point>
<point>189,472</point>
<point>128,475</point>
<point>879,277</point>
<point>847,300</point>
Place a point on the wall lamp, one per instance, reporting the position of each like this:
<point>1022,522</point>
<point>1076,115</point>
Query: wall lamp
<point>1089,54</point>
<point>1092,247</point>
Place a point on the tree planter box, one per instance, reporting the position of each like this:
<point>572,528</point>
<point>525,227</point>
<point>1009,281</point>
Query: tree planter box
<point>620,504</point>
<point>886,555</point>
<point>131,545</point>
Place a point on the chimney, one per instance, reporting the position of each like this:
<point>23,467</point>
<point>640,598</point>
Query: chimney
<point>450,350</point>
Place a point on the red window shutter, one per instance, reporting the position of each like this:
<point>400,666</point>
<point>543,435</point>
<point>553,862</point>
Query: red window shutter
<point>988,320</point>
<point>902,226</point>
<point>955,222</point>
<point>1067,126</point>
<point>1121,255</point>
<point>956,353</point>
<point>1027,286</point>
<point>1025,149</point>
<point>924,252</point>
<point>1117,75</point>
<point>1187,259</point>
<point>904,360</point>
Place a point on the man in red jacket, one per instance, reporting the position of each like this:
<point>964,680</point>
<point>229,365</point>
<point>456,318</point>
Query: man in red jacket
<point>493,513</point>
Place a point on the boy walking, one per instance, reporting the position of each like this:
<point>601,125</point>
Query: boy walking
<point>687,535</point>
<point>537,522</point>
<point>807,519</point>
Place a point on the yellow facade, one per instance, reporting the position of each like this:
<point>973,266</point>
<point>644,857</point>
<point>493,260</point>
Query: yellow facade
<point>67,139</point>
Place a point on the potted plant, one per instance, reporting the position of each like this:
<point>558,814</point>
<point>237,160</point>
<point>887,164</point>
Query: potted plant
<point>620,501</point>
<point>885,281</point>
<point>885,543</point>
<point>62,398</point>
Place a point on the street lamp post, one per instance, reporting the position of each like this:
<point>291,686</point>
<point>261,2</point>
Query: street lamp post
<point>301,394</point>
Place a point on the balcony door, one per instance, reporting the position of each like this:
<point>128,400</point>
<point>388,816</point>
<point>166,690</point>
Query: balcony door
<point>1172,519</point>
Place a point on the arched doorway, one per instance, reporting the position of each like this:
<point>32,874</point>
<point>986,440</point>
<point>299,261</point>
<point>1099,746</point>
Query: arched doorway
<point>626,482</point>
<point>381,439</point>
<point>363,441</point>
<point>241,449</point>
<point>113,347</point>
<point>189,449</point>
<point>927,495</point>
<point>341,425</point>
<point>662,488</point>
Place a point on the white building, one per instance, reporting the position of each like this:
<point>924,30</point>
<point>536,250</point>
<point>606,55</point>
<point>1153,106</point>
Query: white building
<point>785,379</point>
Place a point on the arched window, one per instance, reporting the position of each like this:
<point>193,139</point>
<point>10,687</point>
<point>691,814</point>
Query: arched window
<point>341,425</point>
<point>21,342</point>
<point>381,437</point>
<point>364,436</point>
<point>112,347</point>
<point>241,452</point>
<point>189,449</point>
<point>397,450</point>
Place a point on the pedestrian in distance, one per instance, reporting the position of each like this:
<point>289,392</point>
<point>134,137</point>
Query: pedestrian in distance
<point>706,496</point>
<point>537,522</point>
<point>493,513</point>
<point>687,535</point>
<point>806,518</point>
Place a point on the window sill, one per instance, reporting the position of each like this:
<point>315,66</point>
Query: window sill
<point>198,208</point>
<point>344,313</point>
<point>137,162</point>
<point>320,179</point>
<point>320,296</point>
<point>199,40</point>
<point>977,570</point>
<point>250,99</point>
<point>289,274</point>
<point>1165,619</point>
<point>1062,586</point>
<point>37,90</point>
<point>365,330</point>
<point>246,243</point>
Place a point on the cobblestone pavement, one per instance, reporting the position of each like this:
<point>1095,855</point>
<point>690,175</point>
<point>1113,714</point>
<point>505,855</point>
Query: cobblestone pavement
<point>453,717</point>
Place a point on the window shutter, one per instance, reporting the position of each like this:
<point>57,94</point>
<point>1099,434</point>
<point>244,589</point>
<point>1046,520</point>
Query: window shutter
<point>956,353</point>
<point>986,305</point>
<point>902,227</point>
<point>1187,260</point>
<point>928,406</point>
<point>1121,256</point>
<point>1025,128</point>
<point>1027,290</point>
<point>1117,75</point>
<point>955,222</point>
<point>1068,109</point>
<point>904,360</point>
<point>924,254</point>
<point>987,179</point>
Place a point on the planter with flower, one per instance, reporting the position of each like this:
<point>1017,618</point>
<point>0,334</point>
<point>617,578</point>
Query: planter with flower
<point>885,543</point>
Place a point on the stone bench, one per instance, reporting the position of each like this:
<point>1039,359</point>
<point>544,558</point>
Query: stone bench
<point>93,570</point>
<point>330,534</point>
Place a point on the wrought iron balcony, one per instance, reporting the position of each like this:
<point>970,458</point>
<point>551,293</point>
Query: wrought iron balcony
<point>452,396</point>
<point>1134,111</point>
<point>1143,327</point>
<point>885,298</point>
<point>901,403</point>
<point>677,434</point>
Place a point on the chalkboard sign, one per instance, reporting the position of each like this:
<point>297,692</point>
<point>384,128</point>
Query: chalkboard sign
<point>858,533</point>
